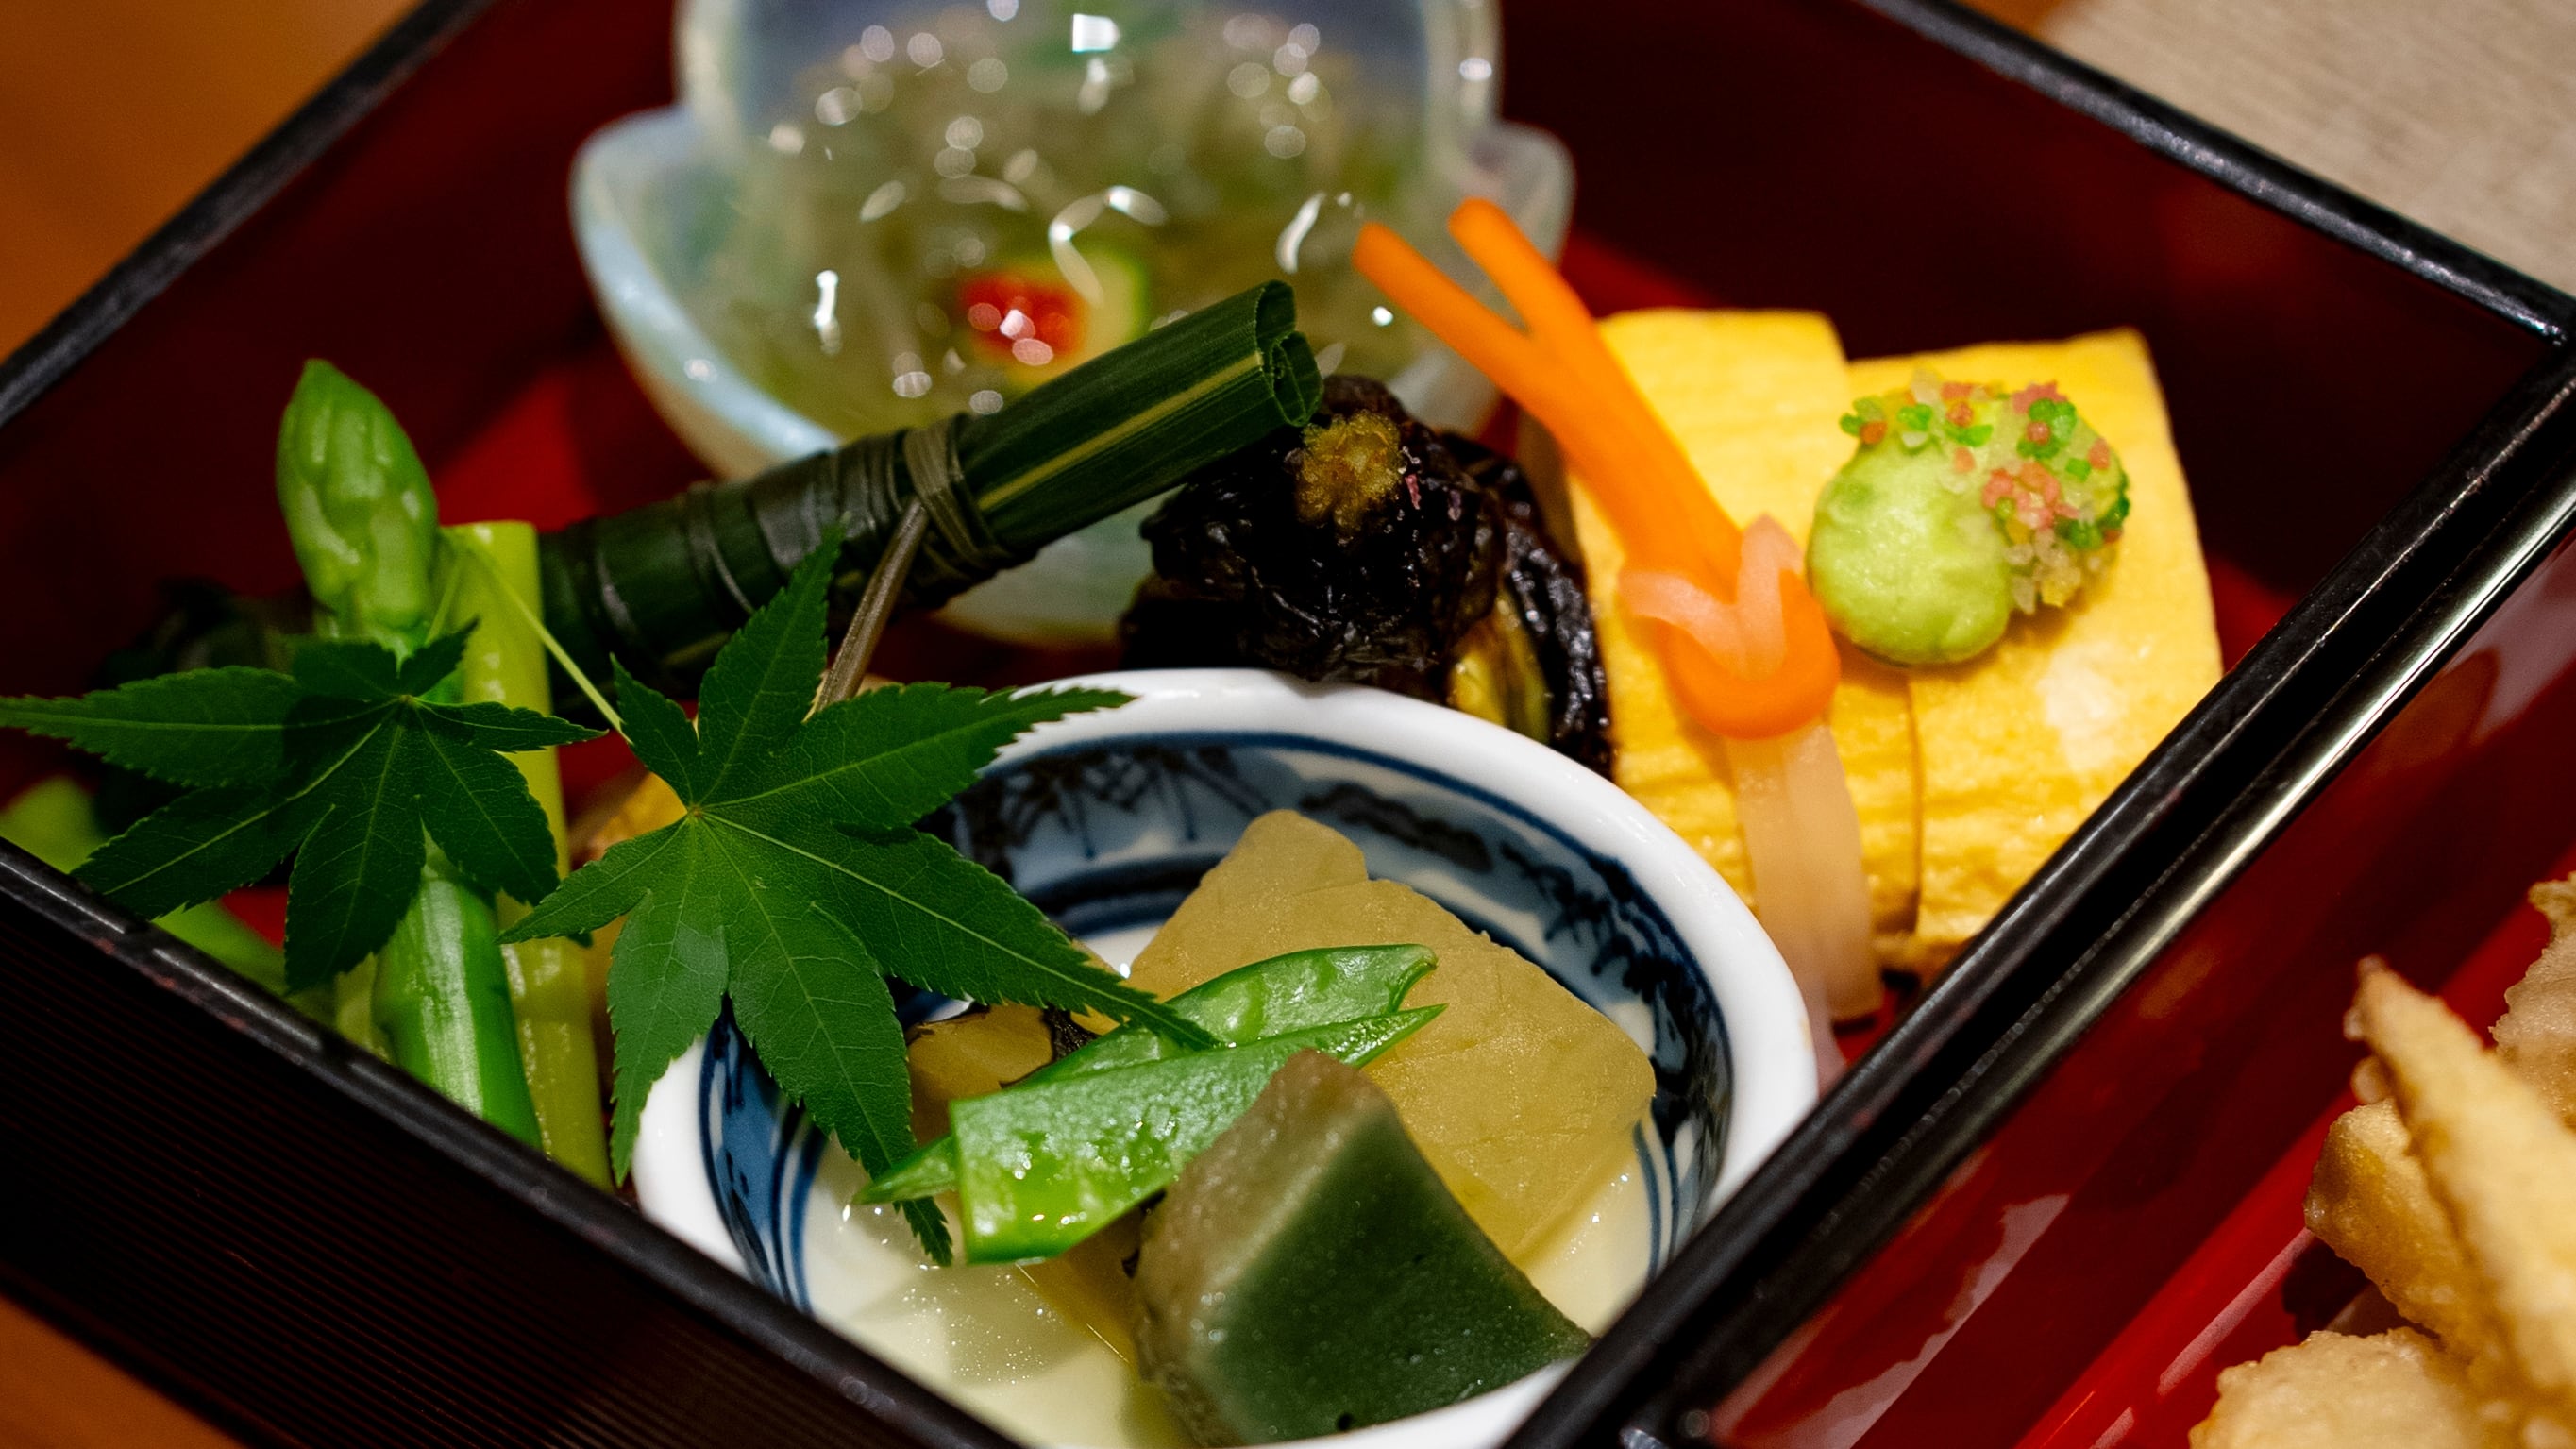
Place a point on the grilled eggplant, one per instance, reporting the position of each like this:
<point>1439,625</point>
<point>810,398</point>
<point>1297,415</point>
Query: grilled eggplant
<point>1368,547</point>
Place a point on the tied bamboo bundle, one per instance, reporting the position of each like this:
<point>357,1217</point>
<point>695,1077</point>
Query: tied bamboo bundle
<point>663,586</point>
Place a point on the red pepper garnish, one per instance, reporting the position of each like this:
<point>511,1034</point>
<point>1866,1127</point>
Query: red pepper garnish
<point>1004,309</point>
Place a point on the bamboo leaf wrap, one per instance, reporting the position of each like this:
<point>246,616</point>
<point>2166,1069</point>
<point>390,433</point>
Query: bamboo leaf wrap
<point>663,586</point>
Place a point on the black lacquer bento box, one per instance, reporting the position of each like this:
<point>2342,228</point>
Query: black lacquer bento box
<point>1977,1237</point>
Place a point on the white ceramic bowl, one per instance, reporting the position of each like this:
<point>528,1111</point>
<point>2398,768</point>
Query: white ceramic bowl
<point>1107,819</point>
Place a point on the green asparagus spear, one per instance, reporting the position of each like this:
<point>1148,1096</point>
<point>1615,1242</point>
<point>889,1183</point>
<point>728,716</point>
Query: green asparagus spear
<point>54,821</point>
<point>550,986</point>
<point>364,523</point>
<point>443,1002</point>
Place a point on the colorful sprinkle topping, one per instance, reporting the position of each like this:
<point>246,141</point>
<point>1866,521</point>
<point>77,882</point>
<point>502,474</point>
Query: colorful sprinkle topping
<point>2052,486</point>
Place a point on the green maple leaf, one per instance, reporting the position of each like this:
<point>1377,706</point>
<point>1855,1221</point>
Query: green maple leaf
<point>343,763</point>
<point>796,884</point>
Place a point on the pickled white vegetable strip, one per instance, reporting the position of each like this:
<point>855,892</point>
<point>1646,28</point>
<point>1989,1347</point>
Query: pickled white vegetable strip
<point>1804,836</point>
<point>1793,800</point>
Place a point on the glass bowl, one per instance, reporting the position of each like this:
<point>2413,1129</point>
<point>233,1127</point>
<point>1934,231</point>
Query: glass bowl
<point>865,216</point>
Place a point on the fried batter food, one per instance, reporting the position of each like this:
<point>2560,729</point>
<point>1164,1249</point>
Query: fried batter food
<point>2455,1191</point>
<point>2371,1204</point>
<point>2537,1036</point>
<point>2503,1165</point>
<point>2334,1392</point>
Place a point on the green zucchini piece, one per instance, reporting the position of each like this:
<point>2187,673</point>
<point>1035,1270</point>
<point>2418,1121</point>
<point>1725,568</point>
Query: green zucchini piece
<point>1309,1274</point>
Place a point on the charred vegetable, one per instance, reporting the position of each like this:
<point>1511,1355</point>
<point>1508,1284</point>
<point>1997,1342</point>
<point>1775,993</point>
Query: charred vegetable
<point>1365,546</point>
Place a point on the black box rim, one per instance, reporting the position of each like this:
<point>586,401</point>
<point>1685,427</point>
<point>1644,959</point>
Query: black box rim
<point>45,359</point>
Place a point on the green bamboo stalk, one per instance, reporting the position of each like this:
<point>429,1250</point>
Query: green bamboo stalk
<point>364,524</point>
<point>551,993</point>
<point>663,586</point>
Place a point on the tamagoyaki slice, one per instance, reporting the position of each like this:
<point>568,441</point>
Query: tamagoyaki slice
<point>2019,745</point>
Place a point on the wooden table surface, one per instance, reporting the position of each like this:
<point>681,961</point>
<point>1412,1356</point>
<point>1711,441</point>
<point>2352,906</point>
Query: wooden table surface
<point>114,112</point>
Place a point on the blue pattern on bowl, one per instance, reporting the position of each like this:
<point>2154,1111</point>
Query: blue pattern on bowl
<point>1110,836</point>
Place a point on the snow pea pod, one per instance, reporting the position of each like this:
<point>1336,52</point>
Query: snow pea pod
<point>1291,992</point>
<point>1041,1168</point>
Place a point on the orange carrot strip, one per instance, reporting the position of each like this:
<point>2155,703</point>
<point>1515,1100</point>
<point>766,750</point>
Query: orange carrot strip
<point>1588,432</point>
<point>1550,307</point>
<point>1656,499</point>
<point>1492,345</point>
<point>1668,491</point>
<point>1727,703</point>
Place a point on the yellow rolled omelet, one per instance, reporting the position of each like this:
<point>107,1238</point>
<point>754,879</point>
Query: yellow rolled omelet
<point>2018,745</point>
<point>1965,776</point>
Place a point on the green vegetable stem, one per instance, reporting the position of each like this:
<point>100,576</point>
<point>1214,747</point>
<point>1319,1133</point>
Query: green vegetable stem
<point>54,821</point>
<point>364,524</point>
<point>443,1002</point>
<point>1040,1168</point>
<point>1295,992</point>
<point>495,567</point>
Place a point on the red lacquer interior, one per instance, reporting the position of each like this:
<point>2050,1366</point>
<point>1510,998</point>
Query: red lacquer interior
<point>1760,154</point>
<point>2134,1225</point>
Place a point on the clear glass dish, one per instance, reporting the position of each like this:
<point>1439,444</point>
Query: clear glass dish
<point>864,216</point>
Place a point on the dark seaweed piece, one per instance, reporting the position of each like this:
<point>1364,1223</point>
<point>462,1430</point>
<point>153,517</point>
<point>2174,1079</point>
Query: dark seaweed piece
<point>1367,547</point>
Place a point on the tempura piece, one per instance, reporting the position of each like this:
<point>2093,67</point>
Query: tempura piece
<point>2504,1166</point>
<point>2537,1037</point>
<point>2335,1392</point>
<point>2370,1203</point>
